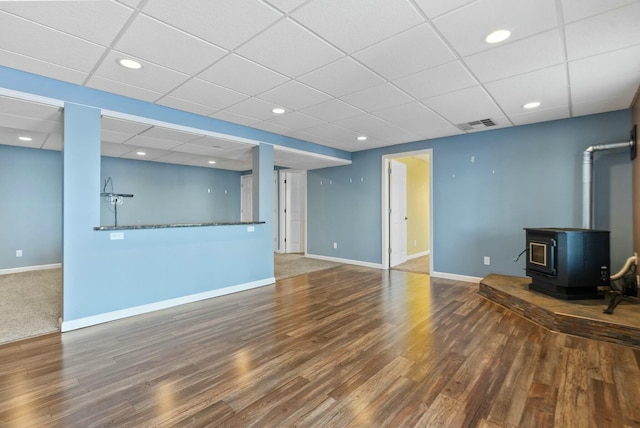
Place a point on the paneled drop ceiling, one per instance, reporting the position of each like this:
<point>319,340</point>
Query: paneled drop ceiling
<point>394,71</point>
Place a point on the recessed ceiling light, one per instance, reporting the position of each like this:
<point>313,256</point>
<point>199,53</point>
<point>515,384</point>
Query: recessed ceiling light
<point>140,153</point>
<point>361,138</point>
<point>212,162</point>
<point>278,110</point>
<point>25,138</point>
<point>130,63</point>
<point>532,104</point>
<point>498,36</point>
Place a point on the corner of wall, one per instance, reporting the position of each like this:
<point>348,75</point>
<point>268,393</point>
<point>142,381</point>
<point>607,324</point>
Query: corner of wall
<point>635,118</point>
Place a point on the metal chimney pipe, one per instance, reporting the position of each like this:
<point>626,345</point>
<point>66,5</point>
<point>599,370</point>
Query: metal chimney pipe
<point>587,178</point>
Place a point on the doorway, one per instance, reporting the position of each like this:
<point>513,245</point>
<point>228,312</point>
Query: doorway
<point>246,203</point>
<point>407,236</point>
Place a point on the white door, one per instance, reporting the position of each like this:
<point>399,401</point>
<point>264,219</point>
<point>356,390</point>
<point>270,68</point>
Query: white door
<point>398,213</point>
<point>293,189</point>
<point>275,211</point>
<point>246,199</point>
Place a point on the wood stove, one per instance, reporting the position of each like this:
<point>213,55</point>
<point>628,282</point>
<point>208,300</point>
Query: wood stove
<point>568,263</point>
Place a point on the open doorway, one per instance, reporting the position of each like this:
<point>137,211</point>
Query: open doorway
<point>406,211</point>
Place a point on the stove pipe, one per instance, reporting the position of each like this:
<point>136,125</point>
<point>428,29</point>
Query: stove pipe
<point>587,179</point>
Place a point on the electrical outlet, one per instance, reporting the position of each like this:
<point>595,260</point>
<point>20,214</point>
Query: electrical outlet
<point>487,260</point>
<point>335,245</point>
<point>18,253</point>
<point>116,236</point>
<point>415,242</point>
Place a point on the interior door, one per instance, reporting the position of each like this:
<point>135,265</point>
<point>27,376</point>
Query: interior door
<point>294,191</point>
<point>246,199</point>
<point>397,213</point>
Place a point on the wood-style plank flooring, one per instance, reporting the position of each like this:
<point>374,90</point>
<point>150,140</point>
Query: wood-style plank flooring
<point>348,346</point>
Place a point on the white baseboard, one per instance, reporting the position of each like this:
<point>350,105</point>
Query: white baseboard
<point>345,261</point>
<point>30,268</point>
<point>456,277</point>
<point>420,254</point>
<point>143,309</point>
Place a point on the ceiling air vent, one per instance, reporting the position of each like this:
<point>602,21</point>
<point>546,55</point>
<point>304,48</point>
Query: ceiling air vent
<point>476,124</point>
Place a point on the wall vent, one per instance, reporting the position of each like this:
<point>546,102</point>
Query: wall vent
<point>476,124</point>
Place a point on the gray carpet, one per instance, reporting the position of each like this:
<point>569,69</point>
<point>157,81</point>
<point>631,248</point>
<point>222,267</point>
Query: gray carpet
<point>288,265</point>
<point>30,304</point>
<point>417,265</point>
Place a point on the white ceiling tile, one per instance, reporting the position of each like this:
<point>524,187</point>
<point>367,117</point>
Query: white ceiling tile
<point>228,164</point>
<point>272,127</point>
<point>574,10</point>
<point>435,8</point>
<point>377,97</point>
<point>438,80</point>
<point>43,68</point>
<point>286,5</point>
<point>96,21</point>
<point>226,23</point>
<point>362,123</point>
<point>234,118</point>
<point>331,132</point>
<point>406,53</point>
<point>391,134</point>
<point>600,106</point>
<point>199,149</point>
<point>208,94</point>
<point>113,149</point>
<point>130,3</point>
<point>254,108</point>
<point>464,106</point>
<point>30,124</point>
<point>467,27</point>
<point>413,117</point>
<point>10,137</point>
<point>127,90</point>
<point>53,142</point>
<point>170,134</point>
<point>289,49</point>
<point>26,38</point>
<point>30,109</point>
<point>548,86</point>
<point>184,105</point>
<point>176,157</point>
<point>535,116</point>
<point>294,95</point>
<point>113,136</point>
<point>153,143</point>
<point>356,24</point>
<point>616,29</point>
<point>123,126</point>
<point>611,75</point>
<point>296,121</point>
<point>534,53</point>
<point>431,133</point>
<point>242,75</point>
<point>150,77</point>
<point>341,77</point>
<point>149,153</point>
<point>332,110</point>
<point>156,42</point>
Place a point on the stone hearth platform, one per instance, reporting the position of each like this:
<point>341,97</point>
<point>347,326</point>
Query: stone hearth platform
<point>577,317</point>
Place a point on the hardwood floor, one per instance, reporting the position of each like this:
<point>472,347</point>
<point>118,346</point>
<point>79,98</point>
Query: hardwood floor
<point>348,346</point>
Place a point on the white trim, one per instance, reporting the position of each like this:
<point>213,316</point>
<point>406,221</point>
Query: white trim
<point>312,154</point>
<point>26,96</point>
<point>420,254</point>
<point>143,309</point>
<point>345,261</point>
<point>456,277</point>
<point>30,268</point>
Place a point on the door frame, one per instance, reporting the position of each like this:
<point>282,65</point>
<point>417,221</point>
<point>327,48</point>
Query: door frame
<point>386,230</point>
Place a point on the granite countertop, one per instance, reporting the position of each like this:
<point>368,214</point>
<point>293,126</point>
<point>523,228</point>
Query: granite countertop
<point>173,225</point>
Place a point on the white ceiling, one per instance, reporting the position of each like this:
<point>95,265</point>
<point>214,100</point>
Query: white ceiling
<point>393,70</point>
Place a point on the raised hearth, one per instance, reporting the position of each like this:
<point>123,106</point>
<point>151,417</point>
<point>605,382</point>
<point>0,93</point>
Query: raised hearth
<point>577,317</point>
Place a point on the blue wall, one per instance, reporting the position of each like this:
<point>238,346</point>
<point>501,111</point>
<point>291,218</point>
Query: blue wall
<point>526,176</point>
<point>31,213</point>
<point>165,193</point>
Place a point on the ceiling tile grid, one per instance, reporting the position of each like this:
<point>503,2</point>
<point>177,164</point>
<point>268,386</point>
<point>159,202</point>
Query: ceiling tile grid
<point>393,70</point>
